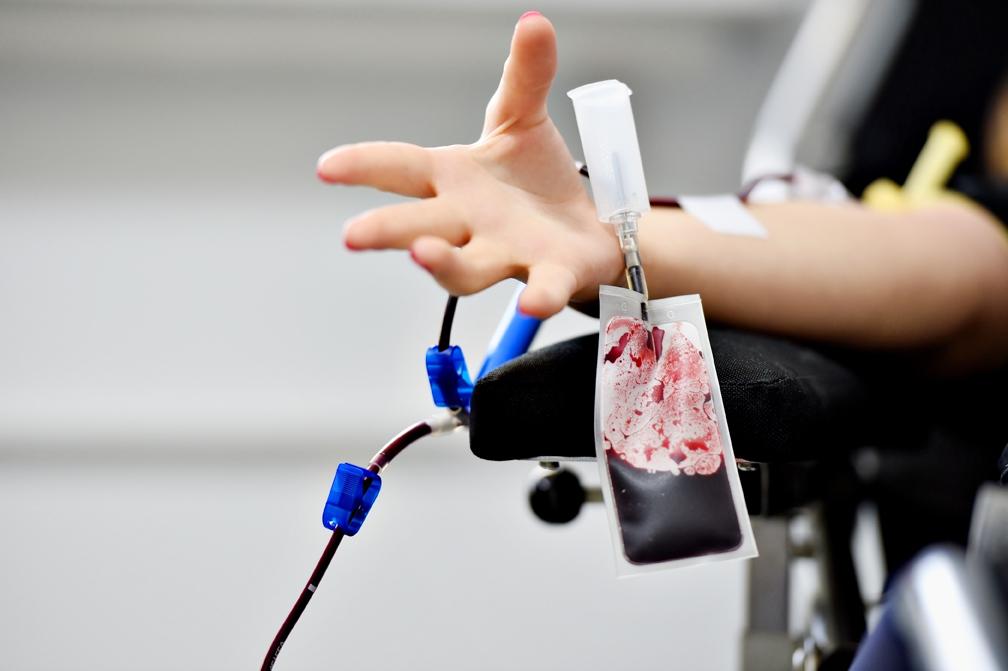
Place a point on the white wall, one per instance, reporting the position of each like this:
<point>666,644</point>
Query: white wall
<point>186,349</point>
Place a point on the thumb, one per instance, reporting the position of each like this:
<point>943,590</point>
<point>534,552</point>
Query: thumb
<point>528,75</point>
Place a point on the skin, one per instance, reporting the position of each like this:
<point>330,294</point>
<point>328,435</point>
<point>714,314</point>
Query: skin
<point>996,149</point>
<point>932,283</point>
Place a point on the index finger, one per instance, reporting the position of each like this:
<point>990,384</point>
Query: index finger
<point>389,166</point>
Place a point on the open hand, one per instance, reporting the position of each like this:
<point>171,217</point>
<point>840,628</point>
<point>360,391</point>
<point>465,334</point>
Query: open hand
<point>510,205</point>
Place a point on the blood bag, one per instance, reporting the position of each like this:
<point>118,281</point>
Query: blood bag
<point>669,477</point>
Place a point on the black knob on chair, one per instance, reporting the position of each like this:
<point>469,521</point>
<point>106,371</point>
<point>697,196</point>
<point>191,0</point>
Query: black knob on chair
<point>556,496</point>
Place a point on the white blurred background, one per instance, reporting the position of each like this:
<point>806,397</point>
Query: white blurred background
<point>187,350</point>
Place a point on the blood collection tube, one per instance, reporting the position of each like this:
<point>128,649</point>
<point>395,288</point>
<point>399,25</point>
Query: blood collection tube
<point>612,154</point>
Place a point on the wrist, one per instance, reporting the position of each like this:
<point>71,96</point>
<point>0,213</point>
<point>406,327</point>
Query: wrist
<point>615,270</point>
<point>661,244</point>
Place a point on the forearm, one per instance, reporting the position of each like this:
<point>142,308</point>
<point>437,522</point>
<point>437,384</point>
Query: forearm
<point>932,281</point>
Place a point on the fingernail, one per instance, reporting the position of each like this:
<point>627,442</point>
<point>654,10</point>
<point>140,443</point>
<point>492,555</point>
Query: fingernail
<point>518,307</point>
<point>412,254</point>
<point>349,245</point>
<point>347,225</point>
<point>318,165</point>
<point>528,14</point>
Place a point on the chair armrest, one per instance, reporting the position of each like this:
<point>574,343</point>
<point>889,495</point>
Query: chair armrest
<point>783,401</point>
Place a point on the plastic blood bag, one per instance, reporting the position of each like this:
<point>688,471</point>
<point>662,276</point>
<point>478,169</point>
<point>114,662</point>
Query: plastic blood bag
<point>663,446</point>
<point>674,495</point>
<point>662,416</point>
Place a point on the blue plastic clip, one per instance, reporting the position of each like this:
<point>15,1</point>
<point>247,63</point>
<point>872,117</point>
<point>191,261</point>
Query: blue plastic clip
<point>353,492</point>
<point>449,377</point>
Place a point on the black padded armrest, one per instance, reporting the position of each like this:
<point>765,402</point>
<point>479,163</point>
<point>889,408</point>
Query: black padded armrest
<point>783,401</point>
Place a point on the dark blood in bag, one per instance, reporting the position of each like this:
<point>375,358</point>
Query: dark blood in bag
<point>662,445</point>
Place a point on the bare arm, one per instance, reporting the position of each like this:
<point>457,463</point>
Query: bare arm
<point>932,282</point>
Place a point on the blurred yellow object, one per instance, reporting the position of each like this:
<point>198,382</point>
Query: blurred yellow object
<point>944,150</point>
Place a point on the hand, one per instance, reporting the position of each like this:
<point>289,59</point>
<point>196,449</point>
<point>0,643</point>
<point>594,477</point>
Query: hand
<point>510,205</point>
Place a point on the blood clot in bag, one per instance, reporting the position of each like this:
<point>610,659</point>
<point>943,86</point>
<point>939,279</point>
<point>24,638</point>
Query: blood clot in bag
<point>673,494</point>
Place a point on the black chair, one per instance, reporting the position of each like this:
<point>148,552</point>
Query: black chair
<point>820,430</point>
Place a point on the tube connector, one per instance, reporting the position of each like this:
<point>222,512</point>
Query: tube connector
<point>626,230</point>
<point>353,492</point>
<point>448,421</point>
<point>449,377</point>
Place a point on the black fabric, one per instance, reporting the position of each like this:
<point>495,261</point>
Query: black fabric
<point>992,195</point>
<point>954,55</point>
<point>540,404</point>
<point>925,493</point>
<point>1003,465</point>
<point>783,401</point>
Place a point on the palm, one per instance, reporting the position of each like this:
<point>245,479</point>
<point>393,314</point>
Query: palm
<point>510,205</point>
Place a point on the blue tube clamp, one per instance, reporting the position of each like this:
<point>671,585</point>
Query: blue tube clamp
<point>449,377</point>
<point>354,490</point>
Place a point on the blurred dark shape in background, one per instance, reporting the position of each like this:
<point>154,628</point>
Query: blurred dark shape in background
<point>952,62</point>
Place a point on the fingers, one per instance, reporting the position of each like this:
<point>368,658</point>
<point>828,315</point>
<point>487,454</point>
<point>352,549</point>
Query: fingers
<point>528,74</point>
<point>462,271</point>
<point>397,226</point>
<point>389,166</point>
<point>478,265</point>
<point>549,288</point>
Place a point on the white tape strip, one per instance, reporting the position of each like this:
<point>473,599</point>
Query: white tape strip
<point>724,214</point>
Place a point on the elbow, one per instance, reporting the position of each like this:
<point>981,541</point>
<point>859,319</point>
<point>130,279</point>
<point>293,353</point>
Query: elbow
<point>977,300</point>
